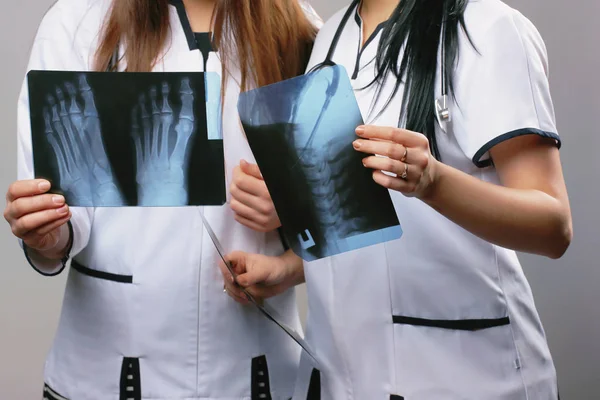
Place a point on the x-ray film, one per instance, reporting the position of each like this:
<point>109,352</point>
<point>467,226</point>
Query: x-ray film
<point>265,309</point>
<point>108,139</point>
<point>301,132</point>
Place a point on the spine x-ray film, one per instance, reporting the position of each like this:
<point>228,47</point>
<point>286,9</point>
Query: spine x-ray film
<point>106,139</point>
<point>301,132</point>
<point>265,309</point>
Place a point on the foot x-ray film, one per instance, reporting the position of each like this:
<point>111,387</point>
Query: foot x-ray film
<point>128,139</point>
<point>301,132</point>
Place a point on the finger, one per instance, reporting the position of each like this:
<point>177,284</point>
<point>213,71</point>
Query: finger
<point>400,185</point>
<point>30,204</point>
<point>248,213</point>
<point>387,149</point>
<point>259,204</point>
<point>262,293</point>
<point>46,229</point>
<point>250,224</point>
<point>31,222</point>
<point>255,276</point>
<point>24,188</point>
<point>395,167</point>
<point>251,169</point>
<point>252,185</point>
<point>397,135</point>
<point>236,293</point>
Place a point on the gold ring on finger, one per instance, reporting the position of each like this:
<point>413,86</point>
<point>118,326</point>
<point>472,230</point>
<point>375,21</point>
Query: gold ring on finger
<point>405,173</point>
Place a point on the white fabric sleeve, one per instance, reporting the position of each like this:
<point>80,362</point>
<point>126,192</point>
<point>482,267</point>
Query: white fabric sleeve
<point>502,89</point>
<point>53,49</point>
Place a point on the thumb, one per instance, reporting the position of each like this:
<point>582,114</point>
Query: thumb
<point>251,169</point>
<point>253,277</point>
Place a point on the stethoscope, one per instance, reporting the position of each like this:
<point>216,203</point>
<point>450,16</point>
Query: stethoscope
<point>441,106</point>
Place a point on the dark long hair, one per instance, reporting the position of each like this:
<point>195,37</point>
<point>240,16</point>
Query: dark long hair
<point>271,38</point>
<point>415,30</point>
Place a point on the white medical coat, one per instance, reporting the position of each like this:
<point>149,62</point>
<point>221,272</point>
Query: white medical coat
<point>439,314</point>
<point>146,304</point>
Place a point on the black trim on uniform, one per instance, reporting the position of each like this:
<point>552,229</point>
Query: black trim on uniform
<point>396,397</point>
<point>101,274</point>
<point>510,135</point>
<point>261,388</point>
<point>185,23</point>
<point>362,48</point>
<point>459,325</point>
<point>204,44</point>
<point>64,260</point>
<point>131,386</point>
<point>314,387</point>
<point>50,394</point>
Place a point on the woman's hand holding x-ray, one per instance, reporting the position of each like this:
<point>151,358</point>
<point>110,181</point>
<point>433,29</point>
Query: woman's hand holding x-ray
<point>161,168</point>
<point>262,276</point>
<point>37,217</point>
<point>73,130</point>
<point>403,153</point>
<point>250,199</point>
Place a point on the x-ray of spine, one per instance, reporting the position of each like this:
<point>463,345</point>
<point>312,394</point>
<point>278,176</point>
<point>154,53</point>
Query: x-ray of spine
<point>301,134</point>
<point>118,139</point>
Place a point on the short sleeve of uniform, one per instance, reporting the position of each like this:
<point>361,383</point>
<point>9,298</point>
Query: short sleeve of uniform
<point>502,89</point>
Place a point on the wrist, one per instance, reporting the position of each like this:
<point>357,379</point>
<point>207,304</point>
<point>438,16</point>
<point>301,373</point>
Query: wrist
<point>294,267</point>
<point>59,250</point>
<point>437,173</point>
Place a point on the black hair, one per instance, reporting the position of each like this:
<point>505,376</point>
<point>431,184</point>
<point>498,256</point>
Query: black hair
<point>415,29</point>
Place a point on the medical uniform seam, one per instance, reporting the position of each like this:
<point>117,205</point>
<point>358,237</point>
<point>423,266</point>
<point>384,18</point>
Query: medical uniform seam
<point>528,63</point>
<point>509,313</point>
<point>340,343</point>
<point>392,327</point>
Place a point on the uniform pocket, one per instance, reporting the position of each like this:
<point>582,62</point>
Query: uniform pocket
<point>94,273</point>
<point>470,359</point>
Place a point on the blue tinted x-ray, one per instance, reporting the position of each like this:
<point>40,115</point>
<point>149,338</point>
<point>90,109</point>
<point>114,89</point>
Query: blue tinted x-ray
<point>214,118</point>
<point>301,133</point>
<point>128,139</point>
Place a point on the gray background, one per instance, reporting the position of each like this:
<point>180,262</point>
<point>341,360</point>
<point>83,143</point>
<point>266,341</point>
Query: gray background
<point>567,291</point>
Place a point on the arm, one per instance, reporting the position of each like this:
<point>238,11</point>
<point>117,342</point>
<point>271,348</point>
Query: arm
<point>52,50</point>
<point>530,212</point>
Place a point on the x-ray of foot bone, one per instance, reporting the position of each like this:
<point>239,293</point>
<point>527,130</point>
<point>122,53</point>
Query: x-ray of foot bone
<point>72,127</point>
<point>327,201</point>
<point>162,145</point>
<point>129,139</point>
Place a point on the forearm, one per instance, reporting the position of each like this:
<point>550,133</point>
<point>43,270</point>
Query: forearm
<point>294,266</point>
<point>523,220</point>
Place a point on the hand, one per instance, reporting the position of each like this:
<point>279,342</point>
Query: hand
<point>37,217</point>
<point>162,172</point>
<point>73,130</point>
<point>251,200</point>
<point>406,155</point>
<point>262,276</point>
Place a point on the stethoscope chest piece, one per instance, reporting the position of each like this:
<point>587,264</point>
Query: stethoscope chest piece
<point>442,111</point>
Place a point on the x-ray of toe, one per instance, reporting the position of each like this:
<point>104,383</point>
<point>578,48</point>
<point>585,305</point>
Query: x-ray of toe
<point>128,139</point>
<point>301,132</point>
